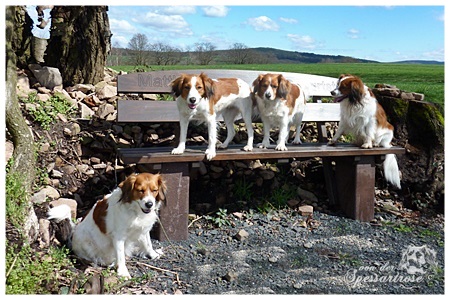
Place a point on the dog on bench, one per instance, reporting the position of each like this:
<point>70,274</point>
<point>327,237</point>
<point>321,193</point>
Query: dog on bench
<point>280,103</point>
<point>118,225</point>
<point>365,118</point>
<point>202,98</point>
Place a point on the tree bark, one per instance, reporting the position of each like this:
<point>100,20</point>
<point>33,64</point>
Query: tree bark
<point>22,137</point>
<point>80,41</point>
<point>21,37</point>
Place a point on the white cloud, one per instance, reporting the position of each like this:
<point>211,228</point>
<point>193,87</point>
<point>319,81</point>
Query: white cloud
<point>353,34</point>
<point>263,23</point>
<point>438,54</point>
<point>178,10</point>
<point>302,41</point>
<point>121,26</point>
<point>166,23</point>
<point>289,20</point>
<point>119,41</point>
<point>217,11</point>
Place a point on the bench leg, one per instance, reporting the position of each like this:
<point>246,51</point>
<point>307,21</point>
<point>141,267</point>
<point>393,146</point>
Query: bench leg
<point>355,185</point>
<point>330,181</point>
<point>173,214</point>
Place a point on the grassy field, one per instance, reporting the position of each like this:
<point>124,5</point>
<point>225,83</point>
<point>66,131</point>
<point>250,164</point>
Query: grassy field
<point>425,79</point>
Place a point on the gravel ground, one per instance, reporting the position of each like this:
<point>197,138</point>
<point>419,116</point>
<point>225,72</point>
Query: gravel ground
<point>286,253</point>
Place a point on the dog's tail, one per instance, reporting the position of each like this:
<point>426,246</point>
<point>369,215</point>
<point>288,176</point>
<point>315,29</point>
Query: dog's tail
<point>391,172</point>
<point>59,213</point>
<point>64,226</point>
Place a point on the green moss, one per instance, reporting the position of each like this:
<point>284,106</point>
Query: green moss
<point>400,108</point>
<point>425,124</point>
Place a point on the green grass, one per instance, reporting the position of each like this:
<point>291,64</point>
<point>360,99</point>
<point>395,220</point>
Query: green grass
<point>16,199</point>
<point>28,273</point>
<point>425,79</point>
<point>45,113</point>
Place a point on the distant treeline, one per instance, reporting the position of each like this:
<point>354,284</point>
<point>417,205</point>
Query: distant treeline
<point>206,53</point>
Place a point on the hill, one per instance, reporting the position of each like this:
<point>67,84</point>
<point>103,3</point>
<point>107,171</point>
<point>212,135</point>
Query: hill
<point>419,62</point>
<point>283,56</point>
<point>260,55</point>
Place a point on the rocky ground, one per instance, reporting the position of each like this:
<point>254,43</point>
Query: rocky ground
<point>266,243</point>
<point>283,252</point>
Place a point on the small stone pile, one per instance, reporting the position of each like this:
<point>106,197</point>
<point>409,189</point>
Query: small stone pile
<point>392,91</point>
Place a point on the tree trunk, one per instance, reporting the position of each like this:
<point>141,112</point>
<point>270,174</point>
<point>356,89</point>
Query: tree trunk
<point>23,155</point>
<point>80,41</point>
<point>21,37</point>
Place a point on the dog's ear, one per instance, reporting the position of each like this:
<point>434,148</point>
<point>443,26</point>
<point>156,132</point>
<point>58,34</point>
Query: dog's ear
<point>209,85</point>
<point>256,82</point>
<point>162,188</point>
<point>284,87</point>
<point>177,85</point>
<point>356,91</point>
<point>342,76</point>
<point>127,186</point>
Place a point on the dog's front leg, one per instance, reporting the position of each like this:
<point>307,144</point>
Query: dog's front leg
<point>119,247</point>
<point>212,133</point>
<point>147,247</point>
<point>340,131</point>
<point>266,128</point>
<point>184,123</point>
<point>283,135</point>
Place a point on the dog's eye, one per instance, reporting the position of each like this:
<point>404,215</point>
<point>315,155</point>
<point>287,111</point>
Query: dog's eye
<point>199,87</point>
<point>265,85</point>
<point>274,86</point>
<point>186,87</point>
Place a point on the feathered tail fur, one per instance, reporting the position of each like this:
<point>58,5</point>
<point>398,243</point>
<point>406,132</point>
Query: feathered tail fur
<point>391,172</point>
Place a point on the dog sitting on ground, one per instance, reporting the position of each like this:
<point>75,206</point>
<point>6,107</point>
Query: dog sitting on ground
<point>118,225</point>
<point>363,117</point>
<point>202,98</point>
<point>280,103</point>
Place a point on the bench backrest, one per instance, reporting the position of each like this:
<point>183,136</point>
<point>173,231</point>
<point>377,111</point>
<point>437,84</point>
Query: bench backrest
<point>167,111</point>
<point>157,82</point>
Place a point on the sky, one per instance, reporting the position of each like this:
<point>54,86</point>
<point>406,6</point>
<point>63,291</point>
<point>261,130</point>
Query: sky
<point>374,32</point>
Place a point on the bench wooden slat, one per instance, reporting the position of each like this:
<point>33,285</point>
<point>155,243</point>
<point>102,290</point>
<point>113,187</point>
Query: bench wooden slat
<point>235,152</point>
<point>167,111</point>
<point>158,81</point>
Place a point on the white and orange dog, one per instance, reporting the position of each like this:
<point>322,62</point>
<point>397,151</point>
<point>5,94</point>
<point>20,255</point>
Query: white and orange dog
<point>202,98</point>
<point>363,117</point>
<point>280,103</point>
<point>118,225</point>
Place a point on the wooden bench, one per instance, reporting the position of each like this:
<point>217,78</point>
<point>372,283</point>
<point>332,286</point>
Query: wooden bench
<point>349,170</point>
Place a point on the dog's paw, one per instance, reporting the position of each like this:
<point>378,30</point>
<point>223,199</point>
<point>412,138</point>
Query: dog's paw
<point>248,148</point>
<point>155,254</point>
<point>222,146</point>
<point>123,272</point>
<point>296,142</point>
<point>332,143</point>
<point>210,154</point>
<point>263,145</point>
<point>178,151</point>
<point>281,147</point>
<point>366,146</point>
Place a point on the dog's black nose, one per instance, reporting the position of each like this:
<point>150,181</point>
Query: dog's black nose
<point>149,204</point>
<point>192,99</point>
<point>333,93</point>
<point>267,95</point>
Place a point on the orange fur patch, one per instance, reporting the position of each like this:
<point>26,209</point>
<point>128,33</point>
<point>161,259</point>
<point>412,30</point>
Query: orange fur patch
<point>99,214</point>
